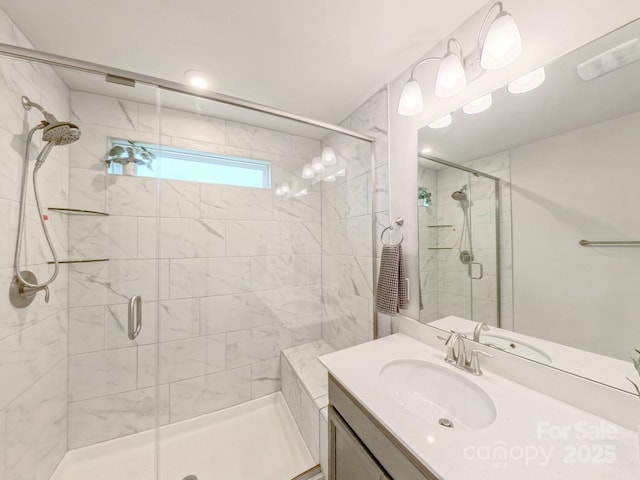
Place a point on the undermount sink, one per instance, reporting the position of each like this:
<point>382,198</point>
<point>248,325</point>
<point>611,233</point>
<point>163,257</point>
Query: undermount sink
<point>516,347</point>
<point>433,392</point>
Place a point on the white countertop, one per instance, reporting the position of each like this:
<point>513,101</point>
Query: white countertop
<point>524,425</point>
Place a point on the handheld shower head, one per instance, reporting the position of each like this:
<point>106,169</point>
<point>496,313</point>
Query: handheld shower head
<point>56,132</point>
<point>460,195</point>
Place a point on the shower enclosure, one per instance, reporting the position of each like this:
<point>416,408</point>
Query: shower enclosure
<point>192,252</point>
<point>459,229</point>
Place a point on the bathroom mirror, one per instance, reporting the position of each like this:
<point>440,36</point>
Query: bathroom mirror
<point>564,143</point>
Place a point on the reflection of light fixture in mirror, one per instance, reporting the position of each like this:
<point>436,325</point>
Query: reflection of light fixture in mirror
<point>441,122</point>
<point>527,82</point>
<point>317,165</point>
<point>426,150</point>
<point>330,178</point>
<point>285,188</point>
<point>278,191</point>
<point>502,43</point>
<point>451,78</point>
<point>301,193</point>
<point>196,79</point>
<point>328,156</point>
<point>307,171</point>
<point>479,105</point>
<point>341,173</point>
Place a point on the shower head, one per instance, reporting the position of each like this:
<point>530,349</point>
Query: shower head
<point>59,133</point>
<point>460,195</point>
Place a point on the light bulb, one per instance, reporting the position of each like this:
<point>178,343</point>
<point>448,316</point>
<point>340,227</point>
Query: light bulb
<point>527,82</point>
<point>284,188</point>
<point>328,156</point>
<point>479,105</point>
<point>307,171</point>
<point>441,122</point>
<point>317,165</point>
<point>426,150</point>
<point>279,192</point>
<point>502,44</point>
<point>410,102</point>
<point>451,77</point>
<point>196,79</point>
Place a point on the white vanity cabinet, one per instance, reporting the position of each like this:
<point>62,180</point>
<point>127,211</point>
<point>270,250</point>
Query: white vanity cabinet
<point>362,449</point>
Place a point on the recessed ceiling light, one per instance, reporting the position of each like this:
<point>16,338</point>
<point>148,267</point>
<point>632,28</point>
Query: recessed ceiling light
<point>528,82</point>
<point>196,79</point>
<point>441,122</point>
<point>478,105</point>
<point>426,150</point>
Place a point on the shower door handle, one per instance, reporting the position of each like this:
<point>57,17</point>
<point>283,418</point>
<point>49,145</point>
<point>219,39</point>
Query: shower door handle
<point>135,316</point>
<point>479,277</point>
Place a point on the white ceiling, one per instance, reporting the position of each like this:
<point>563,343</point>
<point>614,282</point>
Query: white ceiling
<point>318,58</point>
<point>563,103</point>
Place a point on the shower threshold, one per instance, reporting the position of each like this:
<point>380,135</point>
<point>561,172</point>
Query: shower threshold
<point>257,440</point>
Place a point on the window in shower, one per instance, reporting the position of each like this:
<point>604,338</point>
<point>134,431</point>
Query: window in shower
<point>190,165</point>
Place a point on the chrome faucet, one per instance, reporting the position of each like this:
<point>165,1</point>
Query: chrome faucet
<point>457,353</point>
<point>480,327</point>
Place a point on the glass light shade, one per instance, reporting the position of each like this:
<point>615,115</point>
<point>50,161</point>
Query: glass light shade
<point>330,178</point>
<point>441,122</point>
<point>285,188</point>
<point>307,171</point>
<point>479,105</point>
<point>279,192</point>
<point>329,156</point>
<point>527,82</point>
<point>301,193</point>
<point>341,173</point>
<point>410,99</point>
<point>502,44</point>
<point>317,165</point>
<point>451,78</point>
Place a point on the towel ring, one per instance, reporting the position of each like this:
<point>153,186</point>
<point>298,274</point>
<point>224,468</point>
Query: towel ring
<point>383,232</point>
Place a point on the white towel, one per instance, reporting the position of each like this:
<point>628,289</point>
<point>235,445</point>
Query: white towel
<point>392,292</point>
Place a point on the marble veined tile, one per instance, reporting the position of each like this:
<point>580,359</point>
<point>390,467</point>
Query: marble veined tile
<point>112,416</point>
<point>304,361</point>
<point>179,319</point>
<point>102,110</point>
<point>209,393</point>
<point>179,199</point>
<point>265,378</point>
<point>86,329</point>
<point>246,347</point>
<point>228,313</point>
<point>256,138</point>
<point>235,203</point>
<point>128,195</point>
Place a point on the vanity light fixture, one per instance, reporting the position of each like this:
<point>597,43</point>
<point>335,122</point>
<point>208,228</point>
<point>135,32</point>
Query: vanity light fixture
<point>498,47</point>
<point>285,188</point>
<point>301,193</point>
<point>479,105</point>
<point>196,79</point>
<point>330,178</point>
<point>341,173</point>
<point>426,150</point>
<point>527,82</point>
<point>317,165</point>
<point>307,171</point>
<point>451,78</point>
<point>502,43</point>
<point>441,122</point>
<point>329,156</point>
<point>278,192</point>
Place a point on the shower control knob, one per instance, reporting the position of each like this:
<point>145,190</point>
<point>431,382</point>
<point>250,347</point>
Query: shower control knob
<point>466,257</point>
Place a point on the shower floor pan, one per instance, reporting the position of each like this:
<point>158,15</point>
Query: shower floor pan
<point>257,440</point>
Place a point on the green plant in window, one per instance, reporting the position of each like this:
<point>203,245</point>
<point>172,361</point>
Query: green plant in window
<point>137,154</point>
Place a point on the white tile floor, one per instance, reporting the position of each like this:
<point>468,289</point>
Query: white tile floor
<point>255,440</point>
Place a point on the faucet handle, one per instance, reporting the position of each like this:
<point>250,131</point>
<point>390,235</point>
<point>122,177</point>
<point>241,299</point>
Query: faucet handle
<point>474,363</point>
<point>46,294</point>
<point>450,343</point>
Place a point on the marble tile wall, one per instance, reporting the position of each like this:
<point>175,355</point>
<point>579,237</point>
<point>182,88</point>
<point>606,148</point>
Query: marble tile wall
<point>33,340</point>
<point>349,207</point>
<point>456,293</point>
<point>232,275</point>
<point>428,235</point>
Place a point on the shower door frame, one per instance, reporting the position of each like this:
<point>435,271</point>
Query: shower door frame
<point>496,181</point>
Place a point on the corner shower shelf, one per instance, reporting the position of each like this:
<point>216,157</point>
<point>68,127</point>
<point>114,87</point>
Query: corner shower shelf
<point>76,211</point>
<point>92,260</point>
<point>438,226</point>
<point>439,248</point>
